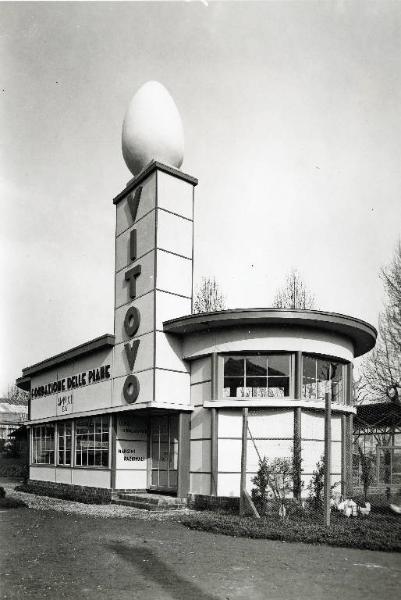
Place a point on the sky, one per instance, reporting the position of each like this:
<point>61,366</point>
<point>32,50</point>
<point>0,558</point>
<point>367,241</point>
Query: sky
<point>292,121</point>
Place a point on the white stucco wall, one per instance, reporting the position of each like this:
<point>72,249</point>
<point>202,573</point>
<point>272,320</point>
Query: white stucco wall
<point>241,339</point>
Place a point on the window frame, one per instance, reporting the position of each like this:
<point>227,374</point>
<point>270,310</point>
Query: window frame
<point>108,428</point>
<point>248,354</point>
<point>59,425</point>
<point>345,401</point>
<point>42,439</point>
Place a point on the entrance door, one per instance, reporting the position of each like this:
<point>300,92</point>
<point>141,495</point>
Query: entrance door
<point>164,453</point>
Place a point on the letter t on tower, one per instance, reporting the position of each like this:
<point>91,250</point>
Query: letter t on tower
<point>153,283</point>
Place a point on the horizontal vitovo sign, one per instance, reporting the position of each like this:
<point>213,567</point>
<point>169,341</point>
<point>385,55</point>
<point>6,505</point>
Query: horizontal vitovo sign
<point>70,383</point>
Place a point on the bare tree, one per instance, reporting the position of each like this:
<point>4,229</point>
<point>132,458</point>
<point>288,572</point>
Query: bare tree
<point>208,297</point>
<point>360,390</point>
<point>17,396</point>
<point>381,369</point>
<point>391,276</point>
<point>294,293</point>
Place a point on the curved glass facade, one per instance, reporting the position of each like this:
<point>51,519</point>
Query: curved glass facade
<point>274,375</point>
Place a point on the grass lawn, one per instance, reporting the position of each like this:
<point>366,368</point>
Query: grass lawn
<point>379,531</point>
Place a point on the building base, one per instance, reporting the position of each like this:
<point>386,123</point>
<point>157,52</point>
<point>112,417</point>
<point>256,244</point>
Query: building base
<point>66,491</point>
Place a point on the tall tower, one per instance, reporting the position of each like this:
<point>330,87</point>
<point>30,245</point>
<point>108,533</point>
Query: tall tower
<point>153,255</point>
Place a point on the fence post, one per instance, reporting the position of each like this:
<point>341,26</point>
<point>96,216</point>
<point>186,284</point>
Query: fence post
<point>327,459</point>
<point>242,507</point>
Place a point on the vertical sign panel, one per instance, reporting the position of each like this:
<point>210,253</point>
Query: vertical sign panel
<point>153,283</point>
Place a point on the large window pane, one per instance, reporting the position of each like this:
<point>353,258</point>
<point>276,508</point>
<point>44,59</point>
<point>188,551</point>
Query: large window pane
<point>64,435</point>
<point>233,366</point>
<point>92,442</point>
<point>322,378</point>
<point>256,365</point>
<point>258,376</point>
<point>279,365</point>
<point>43,444</point>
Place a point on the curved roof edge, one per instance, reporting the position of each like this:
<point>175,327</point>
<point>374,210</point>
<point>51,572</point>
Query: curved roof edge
<point>362,334</point>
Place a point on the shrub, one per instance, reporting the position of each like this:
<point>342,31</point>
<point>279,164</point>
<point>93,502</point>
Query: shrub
<point>374,532</point>
<point>274,480</point>
<point>316,486</point>
<point>11,503</point>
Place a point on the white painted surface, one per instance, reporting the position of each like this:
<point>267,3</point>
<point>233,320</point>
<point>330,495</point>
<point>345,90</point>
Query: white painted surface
<point>131,455</point>
<point>230,423</point>
<point>201,369</point>
<point>92,361</point>
<point>312,425</point>
<point>229,455</point>
<point>42,473</point>
<point>92,397</point>
<point>200,393</point>
<point>152,129</point>
<point>144,356</point>
<point>312,452</point>
<point>238,339</point>
<point>135,480</point>
<point>200,423</point>
<point>145,305</point>
<point>336,428</point>
<point>91,478</point>
<point>174,195</point>
<point>228,484</point>
<point>271,423</point>
<point>174,273</point>
<point>147,203</point>
<point>63,475</point>
<point>145,379</point>
<point>271,449</point>
<point>200,483</point>
<point>145,241</point>
<point>170,306</point>
<point>200,455</point>
<point>131,427</point>
<point>43,407</point>
<point>144,282</point>
<point>48,376</point>
<point>169,352</point>
<point>174,233</point>
<point>172,387</point>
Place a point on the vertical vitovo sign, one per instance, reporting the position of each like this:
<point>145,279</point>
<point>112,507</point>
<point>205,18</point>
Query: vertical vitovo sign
<point>153,283</point>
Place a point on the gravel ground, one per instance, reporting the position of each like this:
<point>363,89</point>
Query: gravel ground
<point>103,511</point>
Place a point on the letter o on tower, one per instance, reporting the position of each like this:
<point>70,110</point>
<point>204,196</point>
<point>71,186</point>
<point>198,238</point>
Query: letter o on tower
<point>131,389</point>
<point>132,321</point>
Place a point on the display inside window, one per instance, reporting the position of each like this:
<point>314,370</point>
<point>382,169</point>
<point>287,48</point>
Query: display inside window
<point>43,444</point>
<point>259,376</point>
<point>92,442</point>
<point>321,378</point>
<point>64,441</point>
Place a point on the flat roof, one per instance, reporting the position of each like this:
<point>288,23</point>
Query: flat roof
<point>152,166</point>
<point>104,341</point>
<point>362,334</point>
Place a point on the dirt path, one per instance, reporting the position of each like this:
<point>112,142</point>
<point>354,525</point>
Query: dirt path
<point>48,554</point>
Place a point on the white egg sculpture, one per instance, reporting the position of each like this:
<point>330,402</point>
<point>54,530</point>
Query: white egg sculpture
<point>152,129</point>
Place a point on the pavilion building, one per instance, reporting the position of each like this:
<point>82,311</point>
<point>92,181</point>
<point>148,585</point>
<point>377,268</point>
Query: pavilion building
<point>158,406</point>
